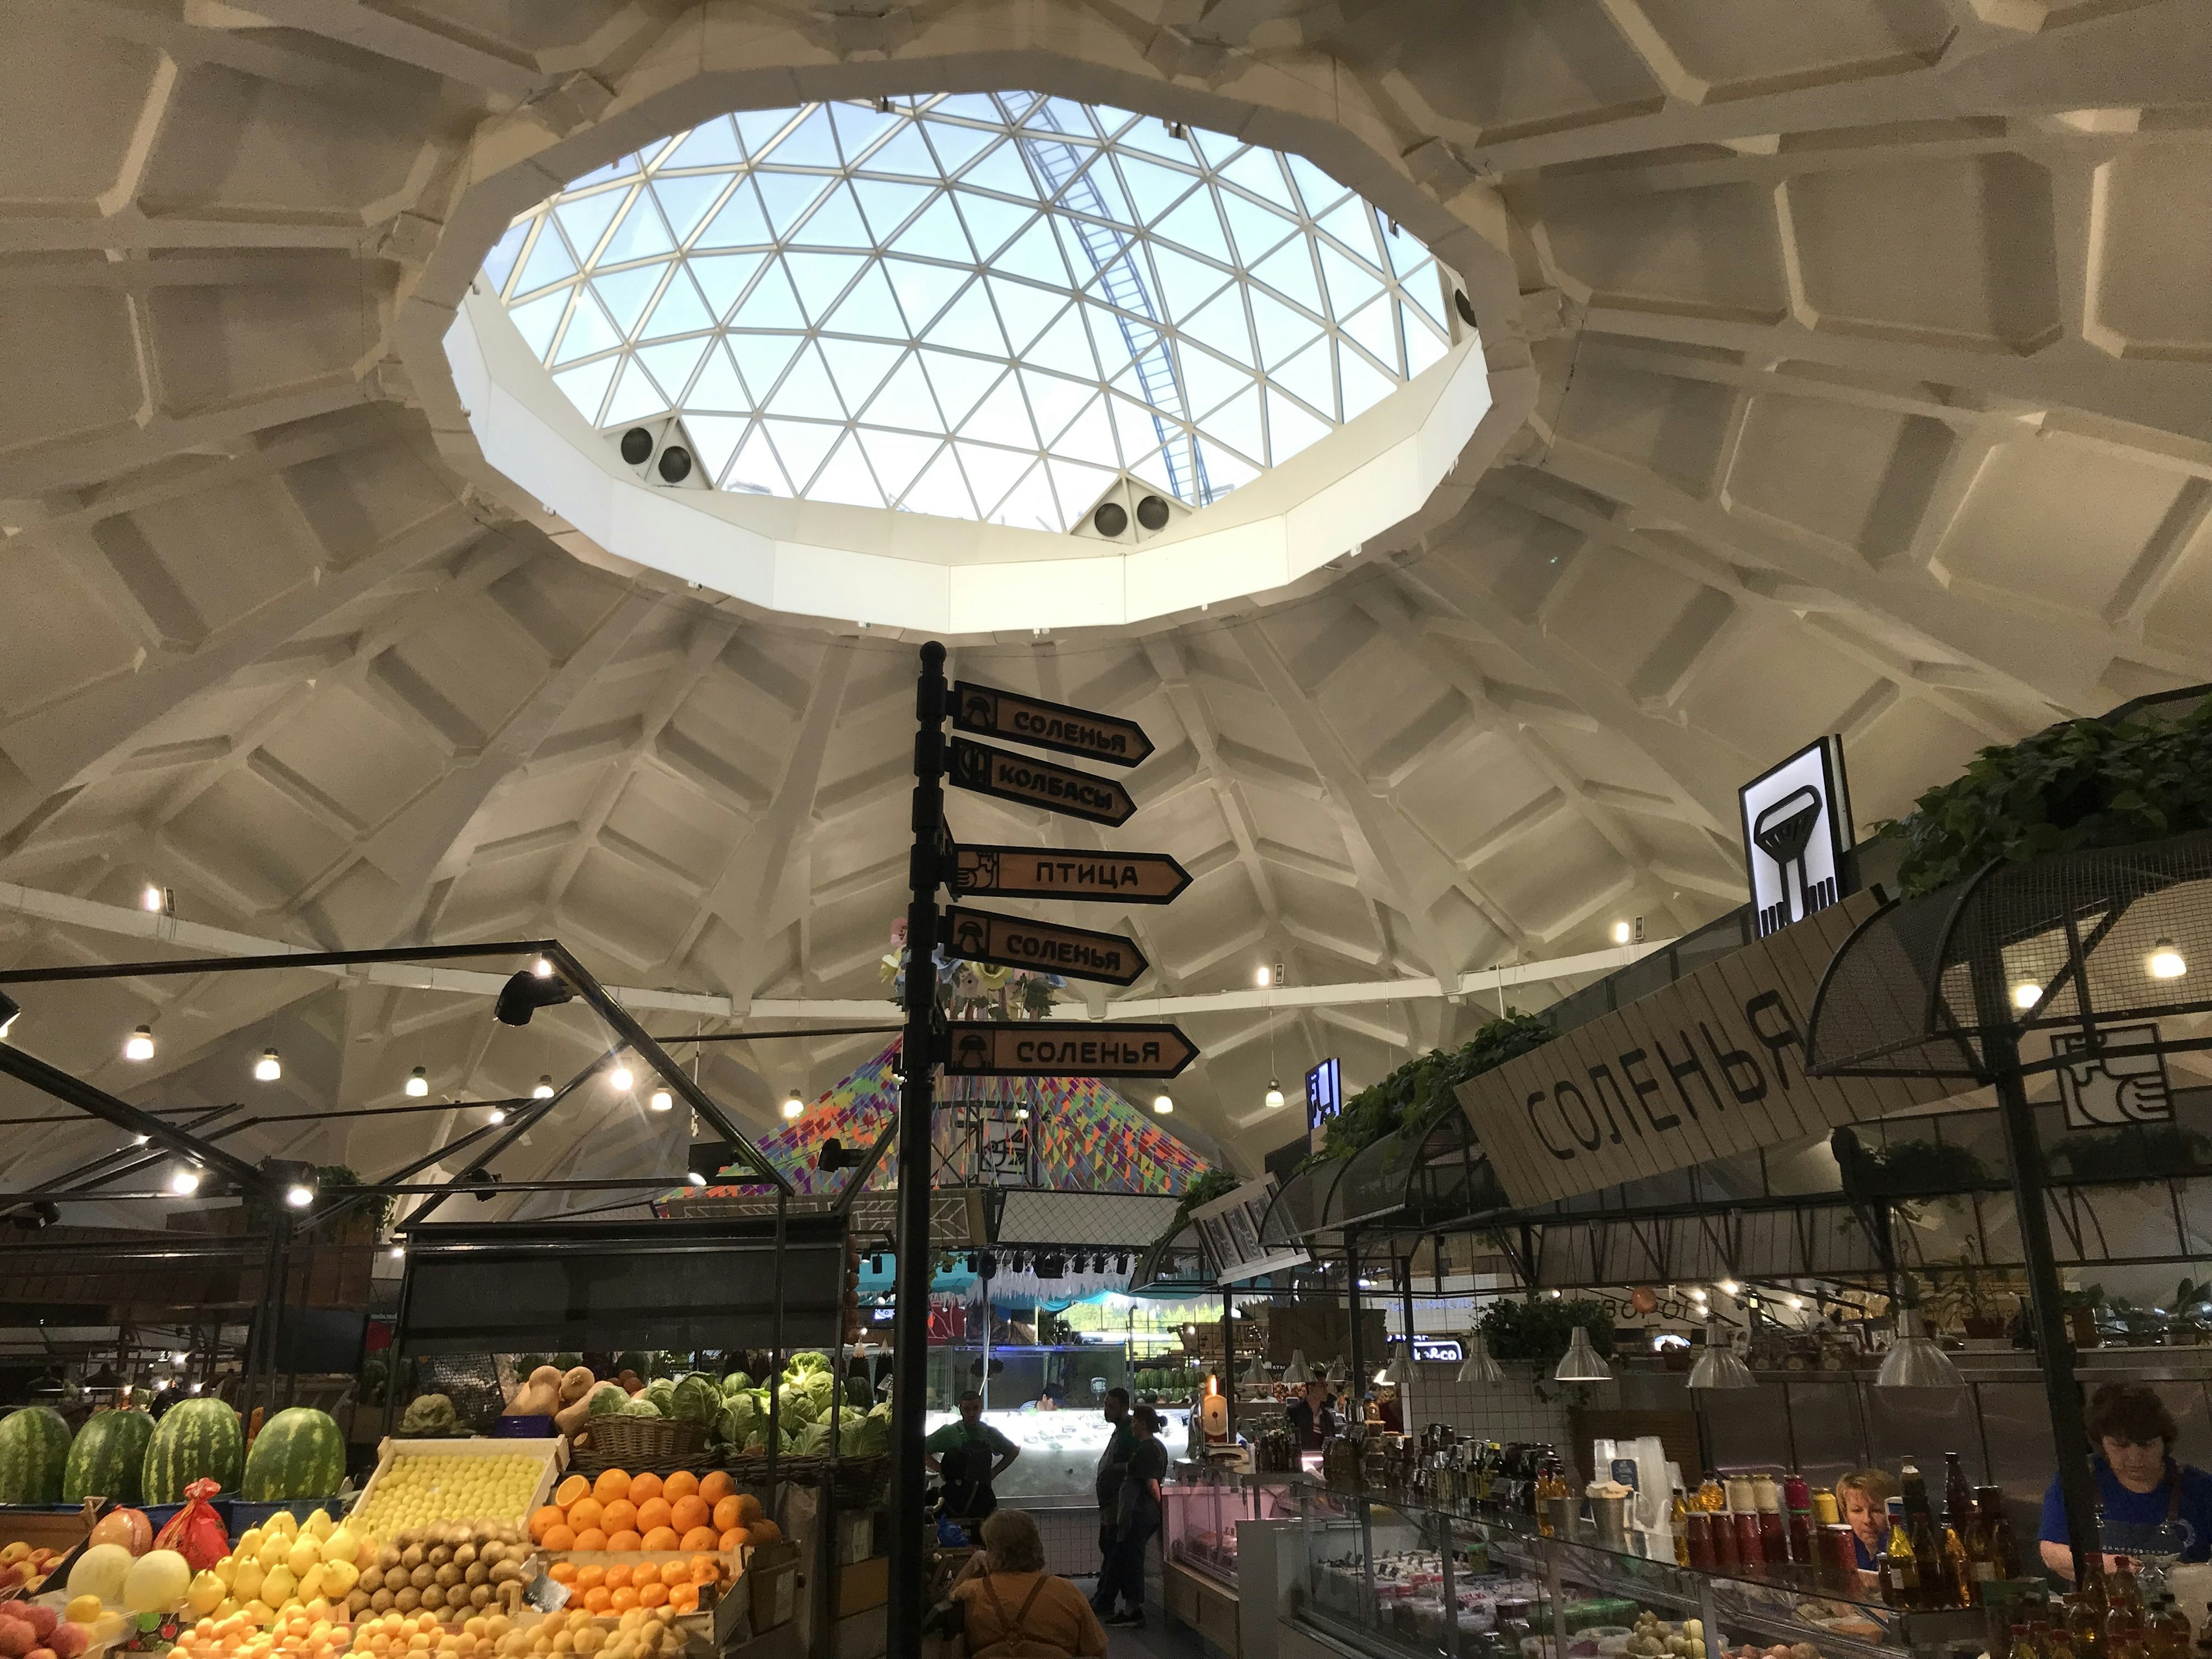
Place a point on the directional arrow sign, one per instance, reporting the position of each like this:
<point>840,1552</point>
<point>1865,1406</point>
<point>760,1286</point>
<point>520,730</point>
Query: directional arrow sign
<point>989,771</point>
<point>990,713</point>
<point>992,1047</point>
<point>1017,942</point>
<point>1045,873</point>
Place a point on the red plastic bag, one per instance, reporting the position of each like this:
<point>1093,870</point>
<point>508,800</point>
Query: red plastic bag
<point>195,1532</point>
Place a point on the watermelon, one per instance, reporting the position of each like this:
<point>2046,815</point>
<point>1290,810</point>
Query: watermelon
<point>298,1454</point>
<point>108,1457</point>
<point>197,1439</point>
<point>34,1448</point>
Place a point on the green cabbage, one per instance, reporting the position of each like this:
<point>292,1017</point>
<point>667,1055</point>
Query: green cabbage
<point>662,1392</point>
<point>736,1382</point>
<point>738,1416</point>
<point>696,1399</point>
<point>639,1405</point>
<point>803,1363</point>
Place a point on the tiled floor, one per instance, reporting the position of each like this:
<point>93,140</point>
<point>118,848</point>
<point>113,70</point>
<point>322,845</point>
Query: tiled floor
<point>1160,1638</point>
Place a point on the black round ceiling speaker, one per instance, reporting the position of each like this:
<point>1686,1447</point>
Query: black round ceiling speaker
<point>675,465</point>
<point>636,446</point>
<point>1460,305</point>
<point>1111,519</point>
<point>1152,513</point>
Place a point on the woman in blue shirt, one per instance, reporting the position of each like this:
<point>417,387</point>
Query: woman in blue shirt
<point>2143,1492</point>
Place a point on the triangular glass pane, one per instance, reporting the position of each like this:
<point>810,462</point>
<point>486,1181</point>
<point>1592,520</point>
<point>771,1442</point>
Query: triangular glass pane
<point>1064,348</point>
<point>1184,283</point>
<point>821,278</point>
<point>722,277</point>
<point>1365,385</point>
<point>1222,326</point>
<point>1405,251</point>
<point>1119,340</point>
<point>807,390</point>
<point>634,395</point>
<point>624,293</point>
<point>756,127</point>
<point>756,471</point>
<point>1352,222</point>
<point>922,290</point>
<point>1216,147</point>
<point>718,385</point>
<point>906,399</point>
<point>906,152</point>
<point>684,200</point>
<point>1373,327</point>
<point>1112,118</point>
<point>1254,228</point>
<point>1422,346</point>
<point>941,490</point>
<point>672,366</point>
<point>1225,472</point>
<point>1237,424</point>
<point>680,311</point>
<point>762,359</point>
<point>1004,171</point>
<point>1258,171</point>
<point>1317,190</point>
<point>958,382</point>
<point>970,325</point>
<point>992,472</point>
<point>641,235</point>
<point>549,261</point>
<point>845,478</point>
<point>585,218</point>
<point>1282,332</point>
<point>1350,285</point>
<point>860,125</point>
<point>1137,426</point>
<point>1024,310</point>
<point>1097,192</point>
<point>869,308</point>
<point>739,224</point>
<point>1030,506</point>
<point>1290,272</point>
<point>811,144</point>
<point>771,304</point>
<point>537,319</point>
<point>1425,290</point>
<point>1150,134</point>
<point>587,387</point>
<point>1309,375</point>
<point>1062,115</point>
<point>1197,226</point>
<point>620,167</point>
<point>1153,470</point>
<point>802,444</point>
<point>1053,402</point>
<point>1001,418</point>
<point>1054,161</point>
<point>1289,428</point>
<point>588,331</point>
<point>1035,254</point>
<point>957,146</point>
<point>859,368</point>
<point>787,195</point>
<point>897,456</point>
<point>1206,380</point>
<point>715,437</point>
<point>1078,486</point>
<point>991,223</point>
<point>500,262</point>
<point>836,223</point>
<point>710,145</point>
<point>1090,437</point>
<point>1154,189</point>
<point>937,235</point>
<point>888,205</point>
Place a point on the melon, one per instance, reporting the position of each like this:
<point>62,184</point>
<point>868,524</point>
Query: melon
<point>299,1453</point>
<point>197,1439</point>
<point>100,1571</point>
<point>34,1448</point>
<point>129,1527</point>
<point>108,1457</point>
<point>158,1582</point>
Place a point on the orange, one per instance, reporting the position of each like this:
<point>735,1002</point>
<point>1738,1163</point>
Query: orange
<point>699,1538</point>
<point>764,1531</point>
<point>726,1513</point>
<point>624,1540</point>
<point>618,1576</point>
<point>654,1512</point>
<point>621,1516</point>
<point>749,1508</point>
<point>612,1484</point>
<point>674,1573</point>
<point>684,1598</point>
<point>543,1521</point>
<point>642,1486</point>
<point>575,1486</point>
<point>559,1538</point>
<point>687,1512</point>
<point>661,1538</point>
<point>586,1512</point>
<point>591,1539</point>
<point>564,1571</point>
<point>732,1538</point>
<point>653,1595</point>
<point>715,1485</point>
<point>598,1600</point>
<point>703,1570</point>
<point>621,1599</point>
<point>682,1484</point>
<point>591,1577</point>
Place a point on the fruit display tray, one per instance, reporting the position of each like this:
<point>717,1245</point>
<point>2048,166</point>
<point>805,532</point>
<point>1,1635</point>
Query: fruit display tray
<point>554,1454</point>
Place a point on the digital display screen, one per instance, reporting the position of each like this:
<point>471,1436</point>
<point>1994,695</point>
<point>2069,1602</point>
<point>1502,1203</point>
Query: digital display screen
<point>1324,1093</point>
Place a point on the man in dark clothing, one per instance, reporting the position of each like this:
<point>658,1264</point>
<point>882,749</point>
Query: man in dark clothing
<point>1137,1517</point>
<point>1310,1417</point>
<point>1113,1466</point>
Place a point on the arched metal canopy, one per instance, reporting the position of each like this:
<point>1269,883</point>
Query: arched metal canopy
<point>1403,1182</point>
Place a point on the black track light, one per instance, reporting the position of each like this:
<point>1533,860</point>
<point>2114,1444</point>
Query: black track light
<point>34,1217</point>
<point>876,1263</point>
<point>835,1157</point>
<point>975,1262</point>
<point>527,991</point>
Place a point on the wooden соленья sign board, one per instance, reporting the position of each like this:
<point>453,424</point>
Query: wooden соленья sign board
<point>1710,1065</point>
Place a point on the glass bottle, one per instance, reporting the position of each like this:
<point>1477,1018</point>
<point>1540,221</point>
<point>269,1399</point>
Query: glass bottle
<point>1797,1500</point>
<point>1678,1521</point>
<point>1900,1567</point>
<point>1958,1496</point>
<point>1723,1528</point>
<point>2004,1553</point>
<point>2023,1646</point>
<point>1928,1558</point>
<point>2169,1630</point>
<point>2204,1649</point>
<point>2085,1614</point>
<point>1711,1497</point>
<point>2061,1640</point>
<point>1773,1541</point>
<point>1913,1486</point>
<point>1981,1563</point>
<point>2124,1591</point>
<point>1697,1531</point>
<point>1958,1577</point>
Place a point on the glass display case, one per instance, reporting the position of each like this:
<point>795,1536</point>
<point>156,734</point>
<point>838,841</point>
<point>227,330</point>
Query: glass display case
<point>1393,1578</point>
<point>1060,1450</point>
<point>1201,1504</point>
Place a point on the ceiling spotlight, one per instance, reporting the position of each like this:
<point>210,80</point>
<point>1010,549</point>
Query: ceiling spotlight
<point>2165,962</point>
<point>2026,996</point>
<point>1796,1302</point>
<point>9,1009</point>
<point>1021,1114</point>
<point>527,991</point>
<point>399,1251</point>
<point>298,1194</point>
<point>418,1083</point>
<point>1263,979</point>
<point>544,1089</point>
<point>150,900</point>
<point>1162,1105</point>
<point>1698,1296</point>
<point>185,1180</point>
<point>543,967</point>
<point>498,1114</point>
<point>140,1140</point>
<point>694,1178</point>
<point>1620,933</point>
<point>1274,1095</point>
<point>139,1045</point>
<point>792,1105</point>
<point>620,1077</point>
<point>268,1068</point>
<point>661,1100</point>
<point>1729,1287</point>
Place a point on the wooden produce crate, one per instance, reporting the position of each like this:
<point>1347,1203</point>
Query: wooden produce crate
<point>553,1455</point>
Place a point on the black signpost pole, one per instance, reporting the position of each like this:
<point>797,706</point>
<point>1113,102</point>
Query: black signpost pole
<point>909,1555</point>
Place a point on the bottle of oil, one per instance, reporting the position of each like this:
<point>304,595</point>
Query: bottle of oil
<point>1927,1561</point>
<point>1957,1573</point>
<point>2169,1630</point>
<point>1551,1482</point>
<point>1678,1521</point>
<point>2085,1613</point>
<point>2004,1553</point>
<point>1901,1568</point>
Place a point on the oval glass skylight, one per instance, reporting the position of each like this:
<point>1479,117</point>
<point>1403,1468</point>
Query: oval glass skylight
<point>982,307</point>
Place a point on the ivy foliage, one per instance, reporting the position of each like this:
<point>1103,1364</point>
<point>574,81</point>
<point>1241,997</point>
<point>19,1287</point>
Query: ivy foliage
<point>1540,1329</point>
<point>2079,784</point>
<point>1421,1091</point>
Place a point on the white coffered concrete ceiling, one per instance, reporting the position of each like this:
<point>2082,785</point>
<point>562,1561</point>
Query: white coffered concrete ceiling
<point>1866,354</point>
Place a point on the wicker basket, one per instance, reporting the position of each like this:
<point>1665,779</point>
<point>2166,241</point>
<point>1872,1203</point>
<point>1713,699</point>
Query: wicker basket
<point>631,1441</point>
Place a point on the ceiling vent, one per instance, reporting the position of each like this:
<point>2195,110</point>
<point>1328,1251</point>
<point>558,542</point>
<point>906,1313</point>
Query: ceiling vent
<point>1130,511</point>
<point>661,452</point>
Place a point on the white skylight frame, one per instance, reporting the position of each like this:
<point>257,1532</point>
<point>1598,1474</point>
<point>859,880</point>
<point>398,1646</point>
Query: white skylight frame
<point>706,245</point>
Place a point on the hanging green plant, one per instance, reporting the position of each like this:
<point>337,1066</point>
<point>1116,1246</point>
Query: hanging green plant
<point>2079,784</point>
<point>1420,1092</point>
<point>1541,1327</point>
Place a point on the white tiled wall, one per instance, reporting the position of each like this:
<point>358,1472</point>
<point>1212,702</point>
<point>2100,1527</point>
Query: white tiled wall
<point>1511,1410</point>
